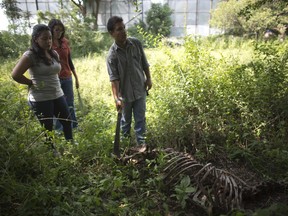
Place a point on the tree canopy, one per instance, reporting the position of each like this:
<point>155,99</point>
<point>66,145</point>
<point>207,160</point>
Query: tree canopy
<point>250,16</point>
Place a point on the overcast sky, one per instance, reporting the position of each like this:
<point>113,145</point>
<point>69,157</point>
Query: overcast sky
<point>3,20</point>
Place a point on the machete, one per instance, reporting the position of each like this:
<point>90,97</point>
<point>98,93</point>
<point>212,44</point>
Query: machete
<point>117,135</point>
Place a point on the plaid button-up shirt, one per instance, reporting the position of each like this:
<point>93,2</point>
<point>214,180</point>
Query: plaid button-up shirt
<point>127,65</point>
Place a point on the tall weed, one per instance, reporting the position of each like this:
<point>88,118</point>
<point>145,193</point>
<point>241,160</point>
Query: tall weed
<point>205,102</point>
<point>200,103</point>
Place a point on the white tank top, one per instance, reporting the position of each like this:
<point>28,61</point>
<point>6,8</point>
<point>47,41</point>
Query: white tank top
<point>46,84</point>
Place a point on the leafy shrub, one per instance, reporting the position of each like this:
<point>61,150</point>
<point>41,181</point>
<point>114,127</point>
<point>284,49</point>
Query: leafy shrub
<point>13,45</point>
<point>201,103</point>
<point>83,39</point>
<point>158,19</point>
<point>134,31</point>
<point>158,24</point>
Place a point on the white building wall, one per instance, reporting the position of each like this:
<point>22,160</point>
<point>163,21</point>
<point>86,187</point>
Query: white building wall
<point>189,16</point>
<point>42,5</point>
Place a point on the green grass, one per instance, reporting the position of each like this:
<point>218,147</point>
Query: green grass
<point>204,98</point>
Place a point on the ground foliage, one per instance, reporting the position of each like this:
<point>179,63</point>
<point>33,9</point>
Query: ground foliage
<point>210,102</point>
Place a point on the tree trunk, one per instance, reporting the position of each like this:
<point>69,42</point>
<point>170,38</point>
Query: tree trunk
<point>81,7</point>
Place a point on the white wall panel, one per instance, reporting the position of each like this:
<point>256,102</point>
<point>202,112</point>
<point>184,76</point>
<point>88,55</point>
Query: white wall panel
<point>189,16</point>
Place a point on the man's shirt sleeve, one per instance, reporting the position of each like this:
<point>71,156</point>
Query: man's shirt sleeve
<point>112,67</point>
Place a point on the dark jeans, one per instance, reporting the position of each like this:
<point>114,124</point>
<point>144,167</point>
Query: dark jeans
<point>136,108</point>
<point>45,110</point>
<point>67,87</point>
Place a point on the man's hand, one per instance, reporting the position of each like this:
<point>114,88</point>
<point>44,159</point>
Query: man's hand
<point>119,104</point>
<point>148,84</point>
<point>77,84</point>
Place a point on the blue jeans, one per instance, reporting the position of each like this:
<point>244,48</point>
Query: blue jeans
<point>46,110</point>
<point>138,109</point>
<point>67,87</point>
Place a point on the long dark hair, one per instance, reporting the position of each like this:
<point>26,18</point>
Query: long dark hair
<point>52,23</point>
<point>39,52</point>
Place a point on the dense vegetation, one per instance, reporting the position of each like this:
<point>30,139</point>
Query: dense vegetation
<point>212,98</point>
<point>242,17</point>
<point>222,100</point>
